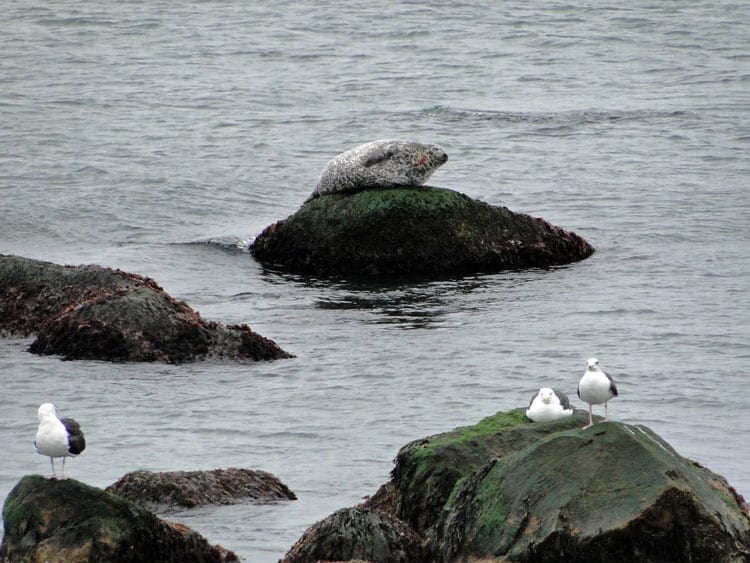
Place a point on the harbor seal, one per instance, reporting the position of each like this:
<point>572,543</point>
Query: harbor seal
<point>387,163</point>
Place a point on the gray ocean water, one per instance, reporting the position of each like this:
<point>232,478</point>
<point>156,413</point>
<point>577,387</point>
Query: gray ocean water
<point>159,137</point>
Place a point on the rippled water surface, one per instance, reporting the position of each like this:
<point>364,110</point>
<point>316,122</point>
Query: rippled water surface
<point>159,137</point>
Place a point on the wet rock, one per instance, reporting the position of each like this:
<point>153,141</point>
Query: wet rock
<point>90,312</point>
<point>357,534</point>
<point>170,490</point>
<point>412,230</point>
<point>615,492</point>
<point>507,489</point>
<point>50,520</point>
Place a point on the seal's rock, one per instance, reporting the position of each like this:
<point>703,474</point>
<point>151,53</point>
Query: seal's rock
<point>412,230</point>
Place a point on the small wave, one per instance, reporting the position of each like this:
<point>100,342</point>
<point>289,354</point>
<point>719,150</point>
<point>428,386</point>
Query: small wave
<point>91,170</point>
<point>83,20</point>
<point>558,118</point>
<point>231,243</point>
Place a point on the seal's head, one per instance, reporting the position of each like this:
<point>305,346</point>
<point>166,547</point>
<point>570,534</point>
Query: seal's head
<point>387,163</point>
<point>400,163</point>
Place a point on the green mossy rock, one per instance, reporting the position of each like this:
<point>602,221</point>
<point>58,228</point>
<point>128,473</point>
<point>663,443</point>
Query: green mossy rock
<point>428,470</point>
<point>51,520</point>
<point>510,490</point>
<point>412,230</point>
<point>507,489</point>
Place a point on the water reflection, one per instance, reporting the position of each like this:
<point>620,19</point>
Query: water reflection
<point>419,303</point>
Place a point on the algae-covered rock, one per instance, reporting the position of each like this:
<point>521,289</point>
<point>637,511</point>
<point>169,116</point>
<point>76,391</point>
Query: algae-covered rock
<point>548,492</point>
<point>428,470</point>
<point>169,490</point>
<point>51,520</point>
<point>90,312</point>
<point>412,230</point>
<point>507,489</point>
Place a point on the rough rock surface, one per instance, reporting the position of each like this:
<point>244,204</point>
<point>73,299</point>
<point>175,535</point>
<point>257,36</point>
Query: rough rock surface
<point>357,534</point>
<point>507,489</point>
<point>412,230</point>
<point>90,312</point>
<point>169,490</point>
<point>50,520</point>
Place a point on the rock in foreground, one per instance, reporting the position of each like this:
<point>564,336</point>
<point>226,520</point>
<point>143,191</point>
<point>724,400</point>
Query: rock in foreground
<point>95,313</point>
<point>412,230</point>
<point>169,490</point>
<point>50,520</point>
<point>507,489</point>
<point>357,534</point>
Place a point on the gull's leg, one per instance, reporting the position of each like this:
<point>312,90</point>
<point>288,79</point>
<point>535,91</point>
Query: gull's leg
<point>52,461</point>
<point>605,412</point>
<point>591,419</point>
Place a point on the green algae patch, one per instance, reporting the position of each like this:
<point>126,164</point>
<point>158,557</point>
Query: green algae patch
<point>412,230</point>
<point>464,434</point>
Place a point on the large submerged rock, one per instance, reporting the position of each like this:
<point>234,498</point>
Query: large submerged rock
<point>170,490</point>
<point>90,312</point>
<point>412,230</point>
<point>50,520</point>
<point>507,489</point>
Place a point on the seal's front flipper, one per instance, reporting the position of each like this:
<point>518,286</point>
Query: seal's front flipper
<point>378,156</point>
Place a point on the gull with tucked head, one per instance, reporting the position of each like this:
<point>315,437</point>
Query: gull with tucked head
<point>57,437</point>
<point>548,404</point>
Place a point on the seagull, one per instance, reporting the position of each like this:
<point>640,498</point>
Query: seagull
<point>595,388</point>
<point>548,404</point>
<point>57,437</point>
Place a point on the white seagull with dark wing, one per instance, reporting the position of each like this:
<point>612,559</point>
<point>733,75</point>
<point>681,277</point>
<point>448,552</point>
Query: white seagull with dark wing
<point>548,404</point>
<point>57,437</point>
<point>595,388</point>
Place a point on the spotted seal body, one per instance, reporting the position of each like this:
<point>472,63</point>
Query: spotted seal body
<point>387,163</point>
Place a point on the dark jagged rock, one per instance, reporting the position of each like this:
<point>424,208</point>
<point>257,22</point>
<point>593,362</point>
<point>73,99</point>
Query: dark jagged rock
<point>412,230</point>
<point>357,534</point>
<point>50,520</point>
<point>90,312</point>
<point>169,490</point>
<point>507,489</point>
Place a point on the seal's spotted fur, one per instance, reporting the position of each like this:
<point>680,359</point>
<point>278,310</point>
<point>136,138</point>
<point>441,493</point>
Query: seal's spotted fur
<point>387,163</point>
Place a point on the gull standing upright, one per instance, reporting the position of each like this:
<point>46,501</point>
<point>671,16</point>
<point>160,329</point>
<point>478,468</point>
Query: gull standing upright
<point>57,437</point>
<point>595,388</point>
